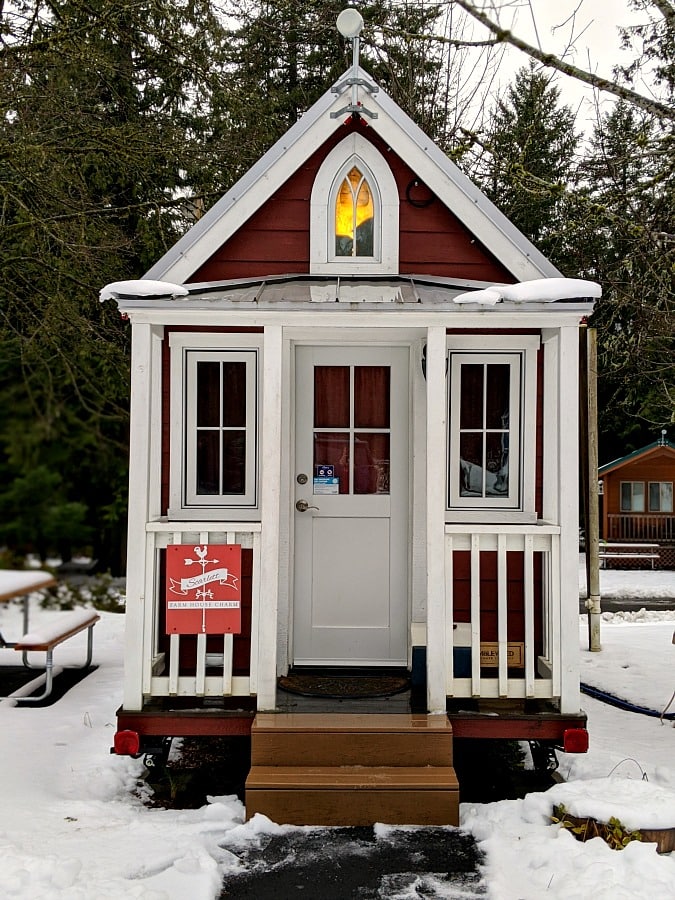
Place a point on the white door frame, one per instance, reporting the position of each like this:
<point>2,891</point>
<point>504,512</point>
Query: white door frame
<point>396,353</point>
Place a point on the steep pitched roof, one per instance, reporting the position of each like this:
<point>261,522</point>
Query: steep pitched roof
<point>637,454</point>
<point>432,166</point>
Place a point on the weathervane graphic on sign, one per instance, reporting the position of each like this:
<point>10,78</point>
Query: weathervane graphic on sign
<point>208,601</point>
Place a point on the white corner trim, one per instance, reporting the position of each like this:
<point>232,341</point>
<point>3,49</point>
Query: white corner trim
<point>354,150</point>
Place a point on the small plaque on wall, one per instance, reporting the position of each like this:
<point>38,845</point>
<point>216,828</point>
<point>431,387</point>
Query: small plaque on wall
<point>489,654</point>
<point>203,589</point>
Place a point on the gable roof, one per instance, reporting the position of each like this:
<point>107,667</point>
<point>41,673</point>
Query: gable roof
<point>518,255</point>
<point>647,450</point>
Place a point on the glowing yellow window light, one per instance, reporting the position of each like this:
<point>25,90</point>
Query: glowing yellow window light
<point>354,211</point>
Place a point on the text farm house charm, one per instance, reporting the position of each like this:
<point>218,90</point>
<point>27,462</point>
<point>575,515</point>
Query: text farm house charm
<point>203,589</point>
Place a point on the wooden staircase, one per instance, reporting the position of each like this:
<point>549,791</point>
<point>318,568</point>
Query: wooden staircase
<point>323,769</point>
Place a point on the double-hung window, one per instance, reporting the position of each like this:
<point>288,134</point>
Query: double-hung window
<point>214,445</point>
<point>661,496</point>
<point>492,428</point>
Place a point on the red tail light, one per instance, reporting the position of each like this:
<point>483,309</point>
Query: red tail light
<point>127,743</point>
<point>575,740</point>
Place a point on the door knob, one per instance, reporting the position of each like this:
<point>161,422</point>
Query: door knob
<point>303,506</point>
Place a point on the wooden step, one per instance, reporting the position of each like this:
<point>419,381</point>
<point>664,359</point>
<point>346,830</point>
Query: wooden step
<point>352,769</point>
<point>354,795</point>
<point>314,739</point>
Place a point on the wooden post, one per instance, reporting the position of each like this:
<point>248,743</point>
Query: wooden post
<point>588,420</point>
<point>592,524</point>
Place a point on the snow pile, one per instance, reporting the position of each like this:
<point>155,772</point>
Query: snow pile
<point>73,825</point>
<point>141,288</point>
<point>539,290</point>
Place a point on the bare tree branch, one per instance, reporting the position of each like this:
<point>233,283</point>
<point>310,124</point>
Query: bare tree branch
<point>661,110</point>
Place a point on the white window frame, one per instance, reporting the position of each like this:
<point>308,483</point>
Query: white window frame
<point>187,350</point>
<point>354,150</point>
<point>520,353</point>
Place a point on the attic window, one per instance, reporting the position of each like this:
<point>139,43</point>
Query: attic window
<point>354,216</point>
<point>354,212</point>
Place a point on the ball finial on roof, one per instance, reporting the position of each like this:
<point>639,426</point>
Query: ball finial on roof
<point>350,23</point>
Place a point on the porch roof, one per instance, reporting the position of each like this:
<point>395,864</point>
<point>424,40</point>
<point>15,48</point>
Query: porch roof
<point>301,291</point>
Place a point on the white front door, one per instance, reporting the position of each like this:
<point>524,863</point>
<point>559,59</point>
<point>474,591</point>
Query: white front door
<point>351,540</point>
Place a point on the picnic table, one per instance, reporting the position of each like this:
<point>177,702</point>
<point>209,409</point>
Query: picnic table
<point>19,583</point>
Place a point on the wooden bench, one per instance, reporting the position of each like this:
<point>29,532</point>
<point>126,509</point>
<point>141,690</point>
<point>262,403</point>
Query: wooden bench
<point>67,625</point>
<point>628,551</point>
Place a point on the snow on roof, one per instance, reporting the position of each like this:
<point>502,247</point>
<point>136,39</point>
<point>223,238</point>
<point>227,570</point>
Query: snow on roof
<point>539,290</point>
<point>143,287</point>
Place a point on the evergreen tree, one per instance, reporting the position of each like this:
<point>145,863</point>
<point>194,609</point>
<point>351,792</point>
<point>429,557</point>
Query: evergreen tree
<point>529,161</point>
<point>103,122</point>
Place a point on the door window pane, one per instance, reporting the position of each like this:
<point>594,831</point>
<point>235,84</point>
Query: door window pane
<point>332,449</point>
<point>497,396</point>
<point>371,396</point>
<point>371,463</point>
<point>234,462</point>
<point>208,459</point>
<point>331,397</point>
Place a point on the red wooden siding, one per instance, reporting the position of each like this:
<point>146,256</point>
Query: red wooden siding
<point>275,239</point>
<point>515,602</point>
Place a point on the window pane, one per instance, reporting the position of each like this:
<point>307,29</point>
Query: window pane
<point>497,474</point>
<point>497,396</point>
<point>471,394</point>
<point>354,211</point>
<point>626,496</point>
<point>666,496</point>
<point>332,449</point>
<point>331,396</point>
<point>208,458</point>
<point>234,462</point>
<point>371,396</point>
<point>364,221</point>
<point>638,497</point>
<point>234,394</point>
<point>471,482</point>
<point>208,394</point>
<point>371,463</point>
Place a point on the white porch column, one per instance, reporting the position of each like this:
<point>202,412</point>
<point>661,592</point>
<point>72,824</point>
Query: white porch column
<point>270,480</point>
<point>568,491</point>
<point>435,501</point>
<point>143,468</point>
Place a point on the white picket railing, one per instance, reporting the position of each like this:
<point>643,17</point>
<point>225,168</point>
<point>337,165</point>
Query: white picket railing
<point>541,678</point>
<point>161,672</point>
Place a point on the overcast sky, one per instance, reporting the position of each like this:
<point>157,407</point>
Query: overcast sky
<point>595,26</point>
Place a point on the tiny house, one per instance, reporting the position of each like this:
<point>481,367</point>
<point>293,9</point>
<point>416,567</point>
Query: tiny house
<point>354,446</point>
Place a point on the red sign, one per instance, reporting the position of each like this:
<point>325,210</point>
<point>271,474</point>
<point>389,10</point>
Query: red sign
<point>203,589</point>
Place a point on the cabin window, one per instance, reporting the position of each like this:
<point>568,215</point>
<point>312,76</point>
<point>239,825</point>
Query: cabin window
<point>632,496</point>
<point>491,441</point>
<point>354,212</point>
<point>214,447</point>
<point>661,496</point>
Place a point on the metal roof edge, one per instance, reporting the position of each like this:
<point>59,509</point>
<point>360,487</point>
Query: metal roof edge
<point>634,454</point>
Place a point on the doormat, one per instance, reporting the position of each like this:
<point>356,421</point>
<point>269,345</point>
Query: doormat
<point>344,687</point>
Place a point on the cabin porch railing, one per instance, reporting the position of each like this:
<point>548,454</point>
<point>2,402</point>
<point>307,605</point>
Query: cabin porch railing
<point>540,675</point>
<point>161,673</point>
<point>640,527</point>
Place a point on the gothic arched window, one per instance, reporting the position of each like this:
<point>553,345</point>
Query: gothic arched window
<point>354,216</point>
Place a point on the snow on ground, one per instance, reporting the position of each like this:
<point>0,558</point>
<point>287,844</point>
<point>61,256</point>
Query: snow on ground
<point>73,825</point>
